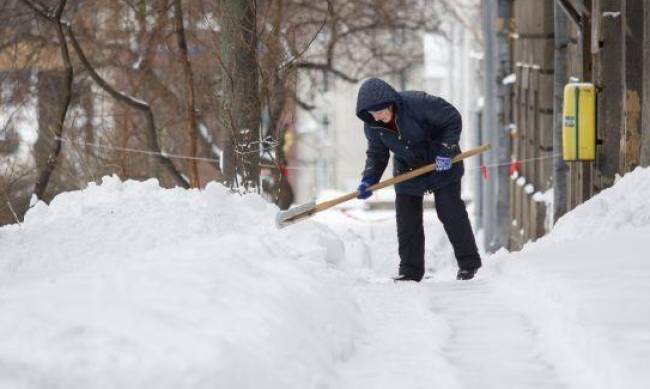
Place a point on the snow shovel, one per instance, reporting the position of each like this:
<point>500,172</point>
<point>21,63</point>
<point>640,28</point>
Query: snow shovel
<point>295,214</point>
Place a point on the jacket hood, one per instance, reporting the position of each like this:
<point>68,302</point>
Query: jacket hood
<point>373,92</point>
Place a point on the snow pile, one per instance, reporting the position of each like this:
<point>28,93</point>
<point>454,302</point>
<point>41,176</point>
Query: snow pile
<point>625,206</point>
<point>125,284</point>
<point>585,286</point>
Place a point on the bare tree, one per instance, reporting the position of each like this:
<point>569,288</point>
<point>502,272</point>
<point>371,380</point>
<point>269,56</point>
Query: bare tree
<point>333,39</point>
<point>132,102</point>
<point>222,88</point>
<point>55,18</point>
<point>241,105</point>
<point>189,86</point>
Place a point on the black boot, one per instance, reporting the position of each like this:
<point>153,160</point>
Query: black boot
<point>404,277</point>
<point>466,274</point>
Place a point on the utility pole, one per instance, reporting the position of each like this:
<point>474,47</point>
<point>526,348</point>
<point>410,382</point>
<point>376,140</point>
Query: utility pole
<point>645,132</point>
<point>497,15</point>
<point>503,151</point>
<point>560,167</point>
<point>489,117</point>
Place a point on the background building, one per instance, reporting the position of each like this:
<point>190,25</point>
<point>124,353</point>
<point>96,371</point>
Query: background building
<point>535,48</point>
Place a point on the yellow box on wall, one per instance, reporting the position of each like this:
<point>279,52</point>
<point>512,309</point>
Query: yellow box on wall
<point>579,122</point>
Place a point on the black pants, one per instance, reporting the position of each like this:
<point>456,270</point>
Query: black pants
<point>453,215</point>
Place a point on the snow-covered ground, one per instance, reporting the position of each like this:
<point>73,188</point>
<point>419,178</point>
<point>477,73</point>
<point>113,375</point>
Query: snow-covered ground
<point>128,285</point>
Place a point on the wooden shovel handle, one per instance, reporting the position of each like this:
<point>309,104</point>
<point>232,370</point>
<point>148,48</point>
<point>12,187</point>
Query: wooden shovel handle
<point>397,179</point>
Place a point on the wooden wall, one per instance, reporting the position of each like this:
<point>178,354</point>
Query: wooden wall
<point>609,51</point>
<point>533,118</point>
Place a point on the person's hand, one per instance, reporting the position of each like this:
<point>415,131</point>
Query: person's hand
<point>443,160</point>
<point>363,191</point>
<point>443,163</point>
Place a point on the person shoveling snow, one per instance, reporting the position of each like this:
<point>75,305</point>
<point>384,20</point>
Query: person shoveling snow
<point>419,129</point>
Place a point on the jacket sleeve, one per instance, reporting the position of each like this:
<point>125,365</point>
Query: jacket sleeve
<point>377,155</point>
<point>443,119</point>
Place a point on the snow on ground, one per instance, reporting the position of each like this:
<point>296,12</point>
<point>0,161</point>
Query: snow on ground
<point>125,284</point>
<point>570,310</point>
<point>586,287</point>
<point>129,285</point>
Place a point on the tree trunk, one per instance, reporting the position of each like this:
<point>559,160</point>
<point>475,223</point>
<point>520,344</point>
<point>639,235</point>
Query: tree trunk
<point>241,96</point>
<point>65,95</point>
<point>189,89</point>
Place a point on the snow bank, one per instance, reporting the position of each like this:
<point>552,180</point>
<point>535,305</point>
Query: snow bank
<point>585,286</point>
<point>126,284</point>
<point>623,207</point>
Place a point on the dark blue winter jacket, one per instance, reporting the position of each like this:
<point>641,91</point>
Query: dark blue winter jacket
<point>424,122</point>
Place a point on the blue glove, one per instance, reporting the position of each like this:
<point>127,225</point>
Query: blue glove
<point>443,160</point>
<point>362,191</point>
<point>443,163</point>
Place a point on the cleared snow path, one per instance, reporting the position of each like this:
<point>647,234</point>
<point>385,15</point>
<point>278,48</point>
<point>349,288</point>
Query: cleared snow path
<point>440,332</point>
<point>490,344</point>
<point>403,344</point>
<point>447,334</point>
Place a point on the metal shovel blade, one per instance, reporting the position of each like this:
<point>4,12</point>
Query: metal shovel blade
<point>290,216</point>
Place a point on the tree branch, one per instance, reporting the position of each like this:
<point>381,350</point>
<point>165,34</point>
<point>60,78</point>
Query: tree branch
<point>327,67</point>
<point>133,102</point>
<point>44,176</point>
